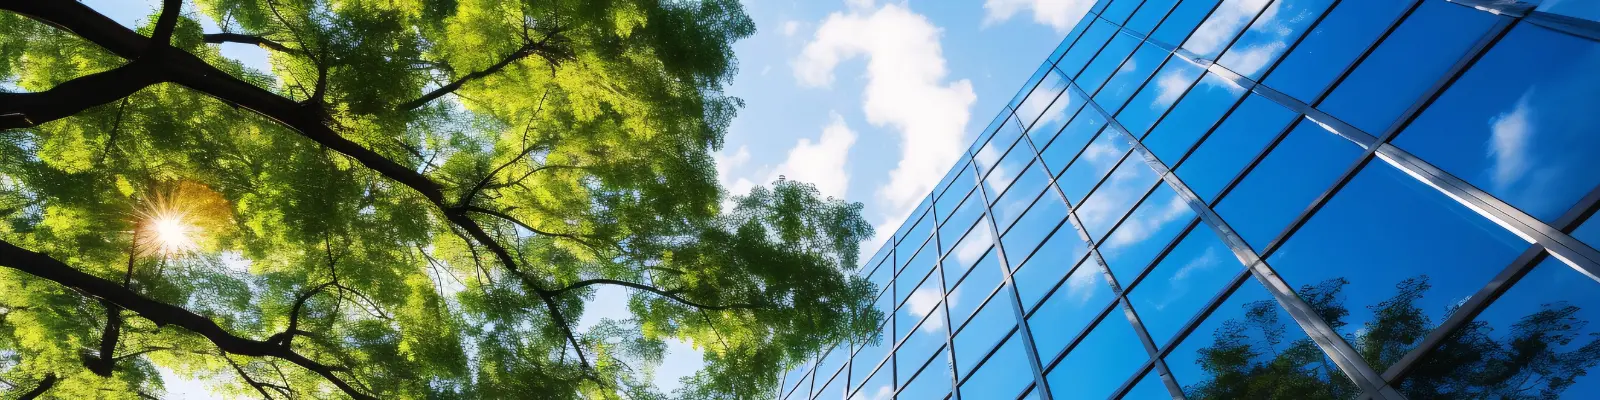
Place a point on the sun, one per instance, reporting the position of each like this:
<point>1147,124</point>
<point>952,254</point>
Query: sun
<point>166,233</point>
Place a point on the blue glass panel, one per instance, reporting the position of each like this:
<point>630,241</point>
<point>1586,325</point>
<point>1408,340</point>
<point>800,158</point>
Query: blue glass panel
<point>1096,161</point>
<point>1156,97</point>
<point>1107,62</point>
<point>1078,301</point>
<point>1004,375</point>
<point>920,267</point>
<point>1409,61</point>
<point>1130,76</point>
<point>1066,43</point>
<point>1118,11</point>
<point>1057,115</point>
<point>881,386</point>
<point>955,186</point>
<point>1332,45</point>
<point>1589,232</point>
<point>800,389</point>
<point>1588,10</point>
<point>1224,24</point>
<point>1072,139</point>
<point>884,272</point>
<point>868,356</point>
<point>1003,140</point>
<point>1038,76</point>
<point>1273,32</point>
<point>1036,103</point>
<point>1182,21</point>
<point>834,389</point>
<point>1387,246</point>
<point>796,376</point>
<point>960,222</point>
<point>1149,387</point>
<point>1233,145</point>
<point>1095,368</point>
<point>1032,228</point>
<point>976,288</point>
<point>1137,241</point>
<point>1520,123</point>
<point>911,229</point>
<point>1149,15</point>
<point>927,338</point>
<point>987,327</point>
<point>1007,170</point>
<point>1249,348</point>
<point>988,132</point>
<point>1116,196</point>
<point>1197,269</point>
<point>1195,114</point>
<point>932,383</point>
<point>922,301</point>
<point>1302,166</point>
<point>967,252</point>
<point>1536,339</point>
<point>832,363</point>
<point>1049,265</point>
<point>1089,45</point>
<point>1016,200</point>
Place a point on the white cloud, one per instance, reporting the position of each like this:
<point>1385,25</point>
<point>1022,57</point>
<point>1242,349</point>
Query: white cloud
<point>1508,144</point>
<point>1141,225</point>
<point>1171,83</point>
<point>821,163</point>
<point>790,28</point>
<point>1058,14</point>
<point>882,392</point>
<point>906,89</point>
<point>922,302</point>
<point>728,166</point>
<point>974,246</point>
<point>1081,285</point>
<point>1205,261</point>
<point>1223,24</point>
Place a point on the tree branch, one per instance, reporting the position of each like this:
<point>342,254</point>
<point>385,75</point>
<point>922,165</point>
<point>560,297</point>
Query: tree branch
<point>670,294</point>
<point>287,336</point>
<point>551,53</point>
<point>104,363</point>
<point>23,110</point>
<point>256,40</point>
<point>45,384</point>
<point>161,36</point>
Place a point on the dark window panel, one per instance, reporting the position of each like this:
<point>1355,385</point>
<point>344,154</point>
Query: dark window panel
<point>1098,159</point>
<point>1072,139</point>
<point>1116,196</point>
<point>1093,39</point>
<point>1157,96</point>
<point>1053,261</point>
<point>1332,45</point>
<point>1130,76</point>
<point>1521,123</point>
<point>1004,375</point>
<point>1141,237</point>
<point>1095,368</point>
<point>986,328</point>
<point>1214,35</point>
<point>1109,60</point>
<point>1195,114</point>
<point>1233,145</point>
<point>1078,301</point>
<point>1299,169</point>
<point>1183,20</point>
<point>1277,28</point>
<point>1409,61</point>
<point>1181,284</point>
<point>1250,348</point>
<point>1386,247</point>
<point>977,287</point>
<point>1151,13</point>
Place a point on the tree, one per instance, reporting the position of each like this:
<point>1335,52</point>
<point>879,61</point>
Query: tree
<point>1539,358</point>
<point>414,202</point>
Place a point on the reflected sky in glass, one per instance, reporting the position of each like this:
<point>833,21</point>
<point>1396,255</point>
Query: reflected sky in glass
<point>1298,170</point>
<point>1145,19</point>
<point>1181,284</point>
<point>1079,300</point>
<point>1278,26</point>
<point>977,241</point>
<point>975,288</point>
<point>1056,117</point>
<point>1183,20</point>
<point>1096,367</point>
<point>1249,342</point>
<point>1071,141</point>
<point>1130,76</point>
<point>987,327</point>
<point>1194,115</point>
<point>1032,229</point>
<point>1107,62</point>
<point>1004,375</point>
<point>1222,26</point>
<point>1163,90</point>
<point>1233,145</point>
<point>932,383</point>
<point>1045,268</point>
<point>1333,44</point>
<point>1090,43</point>
<point>1116,196</point>
<point>1140,237</point>
<point>1149,387</point>
<point>1040,99</point>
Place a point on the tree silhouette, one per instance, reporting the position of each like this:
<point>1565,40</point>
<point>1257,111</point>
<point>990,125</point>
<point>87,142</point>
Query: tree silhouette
<point>1533,359</point>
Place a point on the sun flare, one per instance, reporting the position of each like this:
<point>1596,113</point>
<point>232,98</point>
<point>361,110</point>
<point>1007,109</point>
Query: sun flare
<point>166,234</point>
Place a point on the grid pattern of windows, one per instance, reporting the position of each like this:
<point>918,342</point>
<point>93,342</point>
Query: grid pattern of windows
<point>1261,199</point>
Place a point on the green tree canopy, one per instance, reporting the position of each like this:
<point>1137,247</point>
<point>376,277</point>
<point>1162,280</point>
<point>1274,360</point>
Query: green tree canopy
<point>415,201</point>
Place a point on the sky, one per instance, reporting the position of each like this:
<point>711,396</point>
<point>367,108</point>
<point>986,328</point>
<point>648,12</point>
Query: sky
<point>870,100</point>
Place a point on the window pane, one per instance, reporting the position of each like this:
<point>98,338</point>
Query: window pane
<point>1333,44</point>
<point>1093,39</point>
<point>830,364</point>
<point>1149,387</point>
<point>1195,114</point>
<point>1157,221</point>
<point>1149,14</point>
<point>932,383</point>
<point>1232,145</point>
<point>1300,168</point>
<point>976,288</point>
<point>1073,305</point>
<point>1536,338</point>
<point>1021,195</point>
<point>1027,88</point>
<point>883,273</point>
<point>879,387</point>
<point>1005,172</point>
<point>960,181</point>
<point>1004,375</point>
<point>989,132</point>
<point>1577,9</point>
<point>922,302</point>
<point>1054,117</point>
<point>910,230</point>
<point>1419,254</point>
<point>1218,30</point>
<point>1278,27</point>
<point>833,391</point>
<point>1072,37</point>
<point>987,327</point>
<point>927,338</point>
<point>1132,74</point>
<point>1116,196</point>
<point>1520,123</point>
<point>1119,10</point>
<point>797,376</point>
<point>1157,96</point>
<point>1409,61</point>
<point>918,268</point>
<point>1249,348</point>
<point>1040,273</point>
<point>1095,368</point>
<point>1029,231</point>
<point>968,251</point>
<point>868,356</point>
<point>1589,232</point>
<point>1182,21</point>
<point>1036,103</point>
<point>961,221</point>
<point>1097,159</point>
<point>1107,62</point>
<point>989,155</point>
<point>1199,267</point>
<point>1072,139</point>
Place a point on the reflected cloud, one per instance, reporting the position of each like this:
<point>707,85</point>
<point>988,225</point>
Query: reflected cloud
<point>974,245</point>
<point>1081,285</point>
<point>1143,224</point>
<point>1510,134</point>
<point>1218,30</point>
<point>922,302</point>
<point>1205,261</point>
<point>884,392</point>
<point>1171,84</point>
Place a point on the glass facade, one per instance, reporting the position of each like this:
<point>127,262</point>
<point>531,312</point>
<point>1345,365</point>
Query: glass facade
<point>1381,199</point>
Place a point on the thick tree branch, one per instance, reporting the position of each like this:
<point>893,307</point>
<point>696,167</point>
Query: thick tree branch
<point>104,363</point>
<point>227,37</point>
<point>45,384</point>
<point>544,47</point>
<point>161,314</point>
<point>670,294</point>
<point>287,336</point>
<point>22,110</point>
<point>161,35</point>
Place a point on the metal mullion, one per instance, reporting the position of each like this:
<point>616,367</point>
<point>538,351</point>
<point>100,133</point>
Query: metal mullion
<point>1515,8</point>
<point>1016,300</point>
<point>1344,73</point>
<point>1074,75</point>
<point>1173,387</point>
<point>944,297</point>
<point>1144,338</point>
<point>1579,27</point>
<point>1266,72</point>
<point>983,360</point>
<point>1059,356</point>
<point>1209,130</point>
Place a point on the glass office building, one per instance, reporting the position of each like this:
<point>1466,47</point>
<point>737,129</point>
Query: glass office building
<point>1262,199</point>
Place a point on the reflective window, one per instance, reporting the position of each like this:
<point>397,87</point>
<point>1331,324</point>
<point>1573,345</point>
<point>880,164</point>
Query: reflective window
<point>1233,145</point>
<point>980,334</point>
<point>1095,368</point>
<point>972,246</point>
<point>1183,20</point>
<point>1029,231</point>
<point>878,387</point>
<point>927,338</point>
<point>834,390</point>
<point>958,182</point>
<point>1196,270</point>
<point>798,377</point>
<point>1157,96</point>
<point>832,362</point>
<point>868,356</point>
<point>959,223</point>
<point>1406,64</point>
<point>1072,139</point>
<point>1589,232</point>
<point>1536,339</point>
<point>1304,165</point>
<point>988,132</point>
<point>1053,260</point>
<point>1055,117</point>
<point>1016,200</point>
<point>1003,140</point>
<point>1158,220</point>
<point>919,267</point>
<point>1577,9</point>
<point>932,383</point>
<point>1149,15</point>
<point>882,275</point>
<point>1249,348</point>
<point>1222,26</point>
<point>1118,11</point>
<point>1520,124</point>
<point>1194,115</point>
<point>1124,187</point>
<point>1036,103</point>
<point>910,229</point>
<point>1387,247</point>
<point>1096,161</point>
<point>1107,62</point>
<point>1077,302</point>
<point>1088,45</point>
<point>1271,34</point>
<point>1130,76</point>
<point>1027,88</point>
<point>922,302</point>
<point>1149,387</point>
<point>1332,45</point>
<point>1004,375</point>
<point>1007,169</point>
<point>1072,37</point>
<point>976,288</point>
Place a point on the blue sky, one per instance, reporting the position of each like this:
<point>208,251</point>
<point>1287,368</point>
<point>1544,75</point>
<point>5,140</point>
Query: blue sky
<point>873,101</point>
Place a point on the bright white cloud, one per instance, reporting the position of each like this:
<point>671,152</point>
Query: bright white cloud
<point>1171,85</point>
<point>728,167</point>
<point>1058,14</point>
<point>790,28</point>
<point>1205,261</point>
<point>1224,23</point>
<point>906,89</point>
<point>1081,285</point>
<point>1143,223</point>
<point>973,247</point>
<point>1508,144</point>
<point>922,302</point>
<point>821,163</point>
